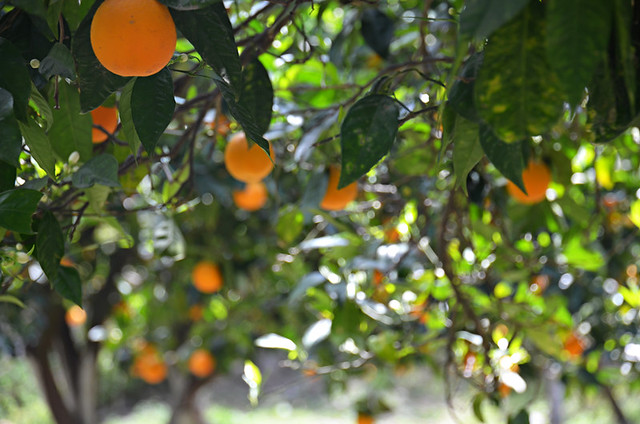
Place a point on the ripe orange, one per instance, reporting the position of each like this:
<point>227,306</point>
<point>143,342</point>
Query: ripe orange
<point>574,345</point>
<point>206,277</point>
<point>247,164</point>
<point>75,316</point>
<point>334,199</point>
<point>220,124</point>
<point>536,178</point>
<point>202,363</point>
<point>365,419</point>
<point>133,37</point>
<point>252,198</point>
<point>149,365</point>
<point>107,118</point>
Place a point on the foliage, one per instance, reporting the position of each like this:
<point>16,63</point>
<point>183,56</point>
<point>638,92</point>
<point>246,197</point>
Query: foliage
<point>430,105</point>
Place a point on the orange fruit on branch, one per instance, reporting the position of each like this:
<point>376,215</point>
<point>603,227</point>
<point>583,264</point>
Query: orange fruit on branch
<point>536,178</point>
<point>252,197</point>
<point>133,37</point>
<point>75,316</point>
<point>149,366</point>
<point>365,419</point>
<point>574,345</point>
<point>202,363</point>
<point>247,164</point>
<point>334,199</point>
<point>107,118</point>
<point>206,277</point>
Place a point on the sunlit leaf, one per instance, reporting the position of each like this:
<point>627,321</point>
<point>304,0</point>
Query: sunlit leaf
<point>516,92</point>
<point>367,133</point>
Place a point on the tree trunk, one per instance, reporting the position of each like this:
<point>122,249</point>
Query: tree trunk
<point>555,397</point>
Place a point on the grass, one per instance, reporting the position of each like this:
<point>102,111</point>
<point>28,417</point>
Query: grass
<point>416,400</point>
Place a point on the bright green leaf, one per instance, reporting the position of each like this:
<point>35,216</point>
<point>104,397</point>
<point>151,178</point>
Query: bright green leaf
<point>467,150</point>
<point>39,146</point>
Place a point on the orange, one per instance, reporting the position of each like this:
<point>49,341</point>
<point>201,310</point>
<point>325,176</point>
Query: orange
<point>334,199</point>
<point>365,419</point>
<point>107,118</point>
<point>206,277</point>
<point>75,316</point>
<point>252,197</point>
<point>536,178</point>
<point>574,345</point>
<point>539,284</point>
<point>66,261</point>
<point>202,363</point>
<point>149,365</point>
<point>220,125</point>
<point>195,313</point>
<point>247,164</point>
<point>133,37</point>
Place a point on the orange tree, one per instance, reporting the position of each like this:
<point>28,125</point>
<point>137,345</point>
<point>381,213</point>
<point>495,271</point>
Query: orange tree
<point>430,107</point>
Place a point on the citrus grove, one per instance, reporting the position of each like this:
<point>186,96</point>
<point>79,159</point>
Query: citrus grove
<point>361,189</point>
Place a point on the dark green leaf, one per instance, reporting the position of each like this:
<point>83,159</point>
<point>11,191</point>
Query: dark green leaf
<point>11,140</point>
<point>477,406</point>
<point>39,146</point>
<point>124,108</point>
<point>68,284</point>
<point>480,18</point>
<point>242,114</point>
<point>467,150</point>
<point>377,31</point>
<point>152,106</point>
<point>367,134</point>
<point>102,169</point>
<point>257,94</point>
<point>188,4</point>
<point>508,158</point>
<point>94,81</point>
<point>613,96</point>
<point>74,13</point>
<point>203,26</point>
<point>521,418</point>
<point>6,103</point>
<point>516,92</point>
<point>14,77</point>
<point>53,16</point>
<point>7,176</point>
<point>461,93</point>
<point>36,7</point>
<point>71,130</point>
<point>577,35</point>
<point>16,208</point>
<point>49,245</point>
<point>59,61</point>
